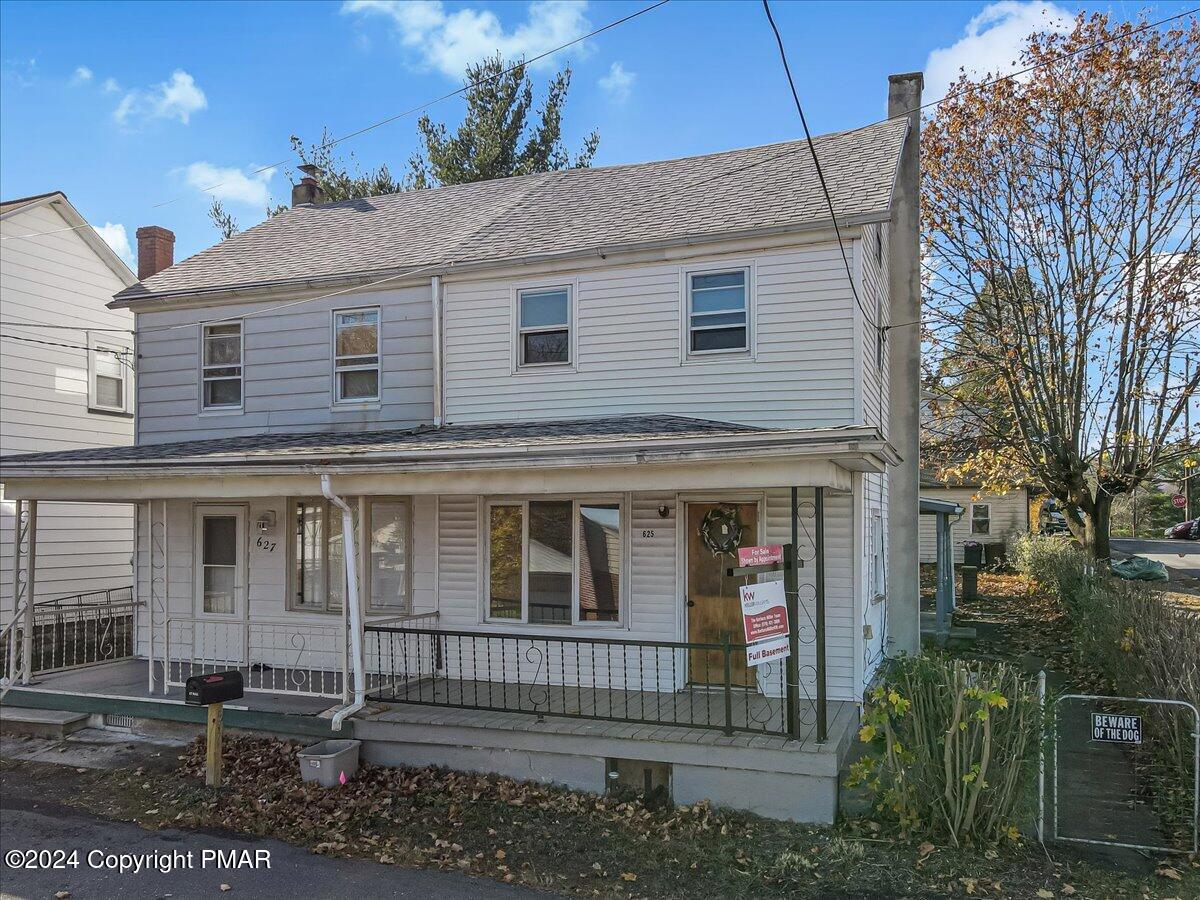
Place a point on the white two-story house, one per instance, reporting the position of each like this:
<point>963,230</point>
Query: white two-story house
<point>481,457</point>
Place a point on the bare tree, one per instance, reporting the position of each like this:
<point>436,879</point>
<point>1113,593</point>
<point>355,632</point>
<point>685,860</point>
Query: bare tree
<point>1062,264</point>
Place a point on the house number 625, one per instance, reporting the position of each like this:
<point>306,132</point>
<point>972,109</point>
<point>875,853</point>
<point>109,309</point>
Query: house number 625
<point>264,544</point>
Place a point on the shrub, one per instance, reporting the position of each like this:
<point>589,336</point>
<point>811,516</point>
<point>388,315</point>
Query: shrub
<point>955,747</point>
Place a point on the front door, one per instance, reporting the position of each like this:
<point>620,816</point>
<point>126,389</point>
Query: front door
<point>217,633</point>
<point>713,606</point>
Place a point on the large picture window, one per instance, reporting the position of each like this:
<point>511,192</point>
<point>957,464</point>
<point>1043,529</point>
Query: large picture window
<point>318,562</point>
<point>554,562</point>
<point>221,366</point>
<point>544,327</point>
<point>718,312</point>
<point>356,355</point>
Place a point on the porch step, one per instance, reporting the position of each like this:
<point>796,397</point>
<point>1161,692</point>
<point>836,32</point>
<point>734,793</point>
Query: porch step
<point>47,723</point>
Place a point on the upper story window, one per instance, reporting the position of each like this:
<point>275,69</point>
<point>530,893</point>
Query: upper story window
<point>221,366</point>
<point>108,371</point>
<point>544,327</point>
<point>718,312</point>
<point>356,355</point>
<point>981,518</point>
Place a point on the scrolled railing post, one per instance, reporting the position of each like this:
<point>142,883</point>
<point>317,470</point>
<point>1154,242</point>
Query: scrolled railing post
<point>727,651</point>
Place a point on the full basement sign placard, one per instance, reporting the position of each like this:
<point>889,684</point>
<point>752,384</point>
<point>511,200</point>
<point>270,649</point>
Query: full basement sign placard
<point>1115,729</point>
<point>765,619</point>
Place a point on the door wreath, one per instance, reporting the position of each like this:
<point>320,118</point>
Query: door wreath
<point>721,530</point>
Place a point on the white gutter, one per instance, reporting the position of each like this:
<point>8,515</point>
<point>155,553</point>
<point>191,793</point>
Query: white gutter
<point>435,288</point>
<point>352,604</point>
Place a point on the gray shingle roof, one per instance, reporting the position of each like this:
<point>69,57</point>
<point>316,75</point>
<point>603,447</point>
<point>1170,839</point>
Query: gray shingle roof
<point>552,213</point>
<point>285,447</point>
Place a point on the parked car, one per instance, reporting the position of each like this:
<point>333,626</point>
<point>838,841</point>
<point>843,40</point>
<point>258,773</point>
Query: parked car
<point>1184,531</point>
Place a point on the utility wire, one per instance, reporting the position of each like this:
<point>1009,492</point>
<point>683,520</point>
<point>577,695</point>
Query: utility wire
<point>787,70</point>
<point>4,324</point>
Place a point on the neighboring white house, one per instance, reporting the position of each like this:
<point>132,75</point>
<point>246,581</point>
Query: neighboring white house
<point>67,384</point>
<point>552,406</point>
<point>988,519</point>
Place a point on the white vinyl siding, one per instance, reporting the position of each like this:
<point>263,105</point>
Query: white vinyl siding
<point>631,358</point>
<point>46,395</point>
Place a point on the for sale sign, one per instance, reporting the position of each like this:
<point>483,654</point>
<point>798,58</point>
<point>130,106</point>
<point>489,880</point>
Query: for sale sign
<point>1114,729</point>
<point>760,556</point>
<point>765,620</point>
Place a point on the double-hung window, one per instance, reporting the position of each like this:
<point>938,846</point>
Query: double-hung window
<point>356,355</point>
<point>554,562</point>
<point>221,366</point>
<point>108,368</point>
<point>544,327</point>
<point>718,312</point>
<point>318,558</point>
<point>981,518</point>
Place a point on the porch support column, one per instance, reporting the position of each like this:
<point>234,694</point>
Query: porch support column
<point>819,540</point>
<point>944,596</point>
<point>25,590</point>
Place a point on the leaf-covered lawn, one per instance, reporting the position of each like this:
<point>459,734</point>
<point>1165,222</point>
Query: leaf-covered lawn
<point>569,842</point>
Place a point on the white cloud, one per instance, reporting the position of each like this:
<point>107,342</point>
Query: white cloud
<point>82,75</point>
<point>229,183</point>
<point>450,41</point>
<point>114,235</point>
<point>110,86</point>
<point>177,98</point>
<point>618,83</point>
<point>991,42</point>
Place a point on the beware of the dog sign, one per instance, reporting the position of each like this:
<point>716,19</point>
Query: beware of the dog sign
<point>1114,729</point>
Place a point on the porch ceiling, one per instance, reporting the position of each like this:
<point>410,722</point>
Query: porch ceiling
<point>613,454</point>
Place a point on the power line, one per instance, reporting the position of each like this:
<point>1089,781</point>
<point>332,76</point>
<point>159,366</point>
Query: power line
<point>63,327</point>
<point>120,354</point>
<point>787,70</point>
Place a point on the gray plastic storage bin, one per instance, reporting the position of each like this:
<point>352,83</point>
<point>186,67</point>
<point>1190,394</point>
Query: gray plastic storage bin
<point>325,762</point>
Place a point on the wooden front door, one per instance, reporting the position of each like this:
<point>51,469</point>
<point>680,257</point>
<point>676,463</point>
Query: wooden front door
<point>714,607</point>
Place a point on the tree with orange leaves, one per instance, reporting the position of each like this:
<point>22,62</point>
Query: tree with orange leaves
<point>1060,237</point>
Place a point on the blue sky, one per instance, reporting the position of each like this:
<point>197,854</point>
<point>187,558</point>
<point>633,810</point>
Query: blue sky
<point>130,106</point>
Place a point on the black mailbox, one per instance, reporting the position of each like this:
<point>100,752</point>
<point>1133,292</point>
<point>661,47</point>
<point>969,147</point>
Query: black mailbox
<point>217,687</point>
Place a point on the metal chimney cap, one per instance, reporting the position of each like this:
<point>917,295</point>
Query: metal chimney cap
<point>310,170</point>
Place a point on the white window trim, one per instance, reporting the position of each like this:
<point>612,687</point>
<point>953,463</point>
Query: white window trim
<point>241,405</point>
<point>686,353</point>
<point>337,401</point>
<point>517,366</point>
<point>241,578</point>
<point>988,507</point>
<point>124,356</point>
<point>523,623</point>
<point>364,554</point>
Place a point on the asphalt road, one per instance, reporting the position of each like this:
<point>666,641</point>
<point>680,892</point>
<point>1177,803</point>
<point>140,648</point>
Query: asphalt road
<point>1179,556</point>
<point>27,823</point>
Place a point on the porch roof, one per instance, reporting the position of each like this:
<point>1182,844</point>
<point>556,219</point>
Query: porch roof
<point>619,441</point>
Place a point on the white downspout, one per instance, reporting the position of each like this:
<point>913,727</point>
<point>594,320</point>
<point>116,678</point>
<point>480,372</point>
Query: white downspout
<point>435,288</point>
<point>352,603</point>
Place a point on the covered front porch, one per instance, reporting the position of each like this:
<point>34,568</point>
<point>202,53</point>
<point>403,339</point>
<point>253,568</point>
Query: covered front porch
<point>562,580</point>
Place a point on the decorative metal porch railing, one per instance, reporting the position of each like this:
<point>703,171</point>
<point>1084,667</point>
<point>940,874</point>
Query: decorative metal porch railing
<point>72,632</point>
<point>678,683</point>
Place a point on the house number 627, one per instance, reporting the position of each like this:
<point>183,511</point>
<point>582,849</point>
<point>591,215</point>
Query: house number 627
<point>265,544</point>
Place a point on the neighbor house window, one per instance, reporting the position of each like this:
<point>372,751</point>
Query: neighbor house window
<point>319,554</point>
<point>981,518</point>
<point>554,562</point>
<point>544,327</point>
<point>718,312</point>
<point>108,368</point>
<point>221,366</point>
<point>356,355</point>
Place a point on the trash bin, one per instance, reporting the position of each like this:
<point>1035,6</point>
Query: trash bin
<point>326,762</point>
<point>973,554</point>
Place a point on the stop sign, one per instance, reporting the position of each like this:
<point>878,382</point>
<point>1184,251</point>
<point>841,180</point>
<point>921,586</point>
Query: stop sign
<point>1179,500</point>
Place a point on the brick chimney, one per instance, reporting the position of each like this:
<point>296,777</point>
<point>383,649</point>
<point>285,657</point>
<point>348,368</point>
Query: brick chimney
<point>308,190</point>
<point>156,250</point>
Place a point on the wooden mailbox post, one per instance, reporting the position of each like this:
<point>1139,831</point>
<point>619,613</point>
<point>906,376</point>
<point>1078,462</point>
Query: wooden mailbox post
<point>213,690</point>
